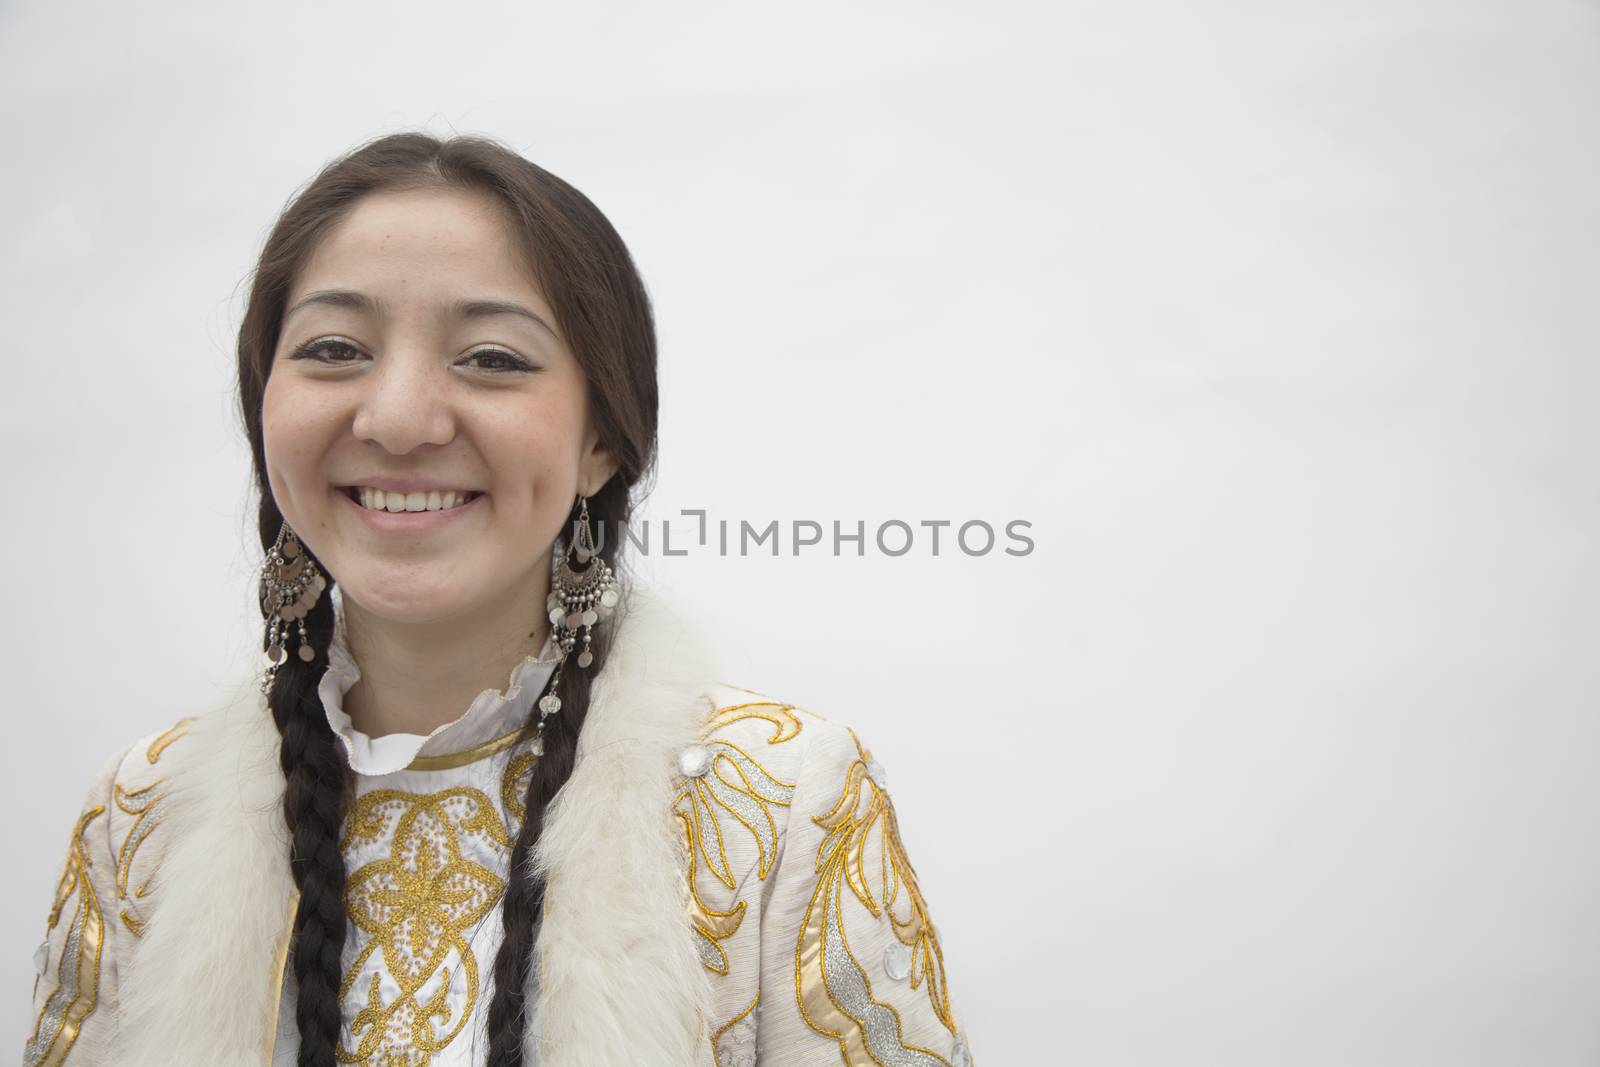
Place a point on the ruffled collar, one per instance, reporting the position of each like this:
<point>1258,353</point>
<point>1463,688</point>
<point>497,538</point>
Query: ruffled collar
<point>492,715</point>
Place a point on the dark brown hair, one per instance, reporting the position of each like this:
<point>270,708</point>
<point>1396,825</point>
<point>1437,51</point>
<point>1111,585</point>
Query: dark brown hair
<point>603,311</point>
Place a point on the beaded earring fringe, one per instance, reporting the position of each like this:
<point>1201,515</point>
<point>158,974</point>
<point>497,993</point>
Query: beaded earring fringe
<point>290,585</point>
<point>580,596</point>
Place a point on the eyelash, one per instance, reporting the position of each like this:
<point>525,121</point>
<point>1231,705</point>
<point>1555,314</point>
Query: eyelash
<point>310,349</point>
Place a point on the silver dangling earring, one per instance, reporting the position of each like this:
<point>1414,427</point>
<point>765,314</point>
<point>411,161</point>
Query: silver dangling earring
<point>290,585</point>
<point>578,598</point>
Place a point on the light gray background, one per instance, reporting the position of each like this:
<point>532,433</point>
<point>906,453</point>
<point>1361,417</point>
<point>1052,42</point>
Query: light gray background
<point>1276,320</point>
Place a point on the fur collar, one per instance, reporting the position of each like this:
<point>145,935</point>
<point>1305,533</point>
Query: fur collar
<point>619,982</point>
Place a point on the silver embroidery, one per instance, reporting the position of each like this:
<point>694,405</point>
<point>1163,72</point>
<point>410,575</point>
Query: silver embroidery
<point>710,955</point>
<point>763,784</point>
<point>737,1045</point>
<point>848,986</point>
<point>55,1008</point>
<point>879,776</point>
<point>742,804</point>
<point>142,828</point>
<point>749,812</point>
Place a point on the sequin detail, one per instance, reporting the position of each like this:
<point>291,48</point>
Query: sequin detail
<point>694,761</point>
<point>747,790</point>
<point>852,994</point>
<point>897,961</point>
<point>78,969</point>
<point>831,986</point>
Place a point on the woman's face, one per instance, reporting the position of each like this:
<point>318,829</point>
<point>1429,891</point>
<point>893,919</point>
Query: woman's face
<point>418,355</point>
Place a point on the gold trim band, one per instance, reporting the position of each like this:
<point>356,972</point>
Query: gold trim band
<point>452,760</point>
<point>280,967</point>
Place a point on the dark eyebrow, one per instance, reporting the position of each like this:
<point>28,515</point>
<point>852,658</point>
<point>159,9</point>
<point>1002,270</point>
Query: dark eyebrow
<point>480,309</point>
<point>465,309</point>
<point>339,298</point>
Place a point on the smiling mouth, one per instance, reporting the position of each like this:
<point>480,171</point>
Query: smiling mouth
<point>378,500</point>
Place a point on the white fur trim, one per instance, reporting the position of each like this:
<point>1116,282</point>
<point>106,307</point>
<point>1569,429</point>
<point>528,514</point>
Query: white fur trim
<point>200,985</point>
<point>618,981</point>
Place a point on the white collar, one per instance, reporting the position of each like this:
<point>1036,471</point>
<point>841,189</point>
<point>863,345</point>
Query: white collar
<point>492,713</point>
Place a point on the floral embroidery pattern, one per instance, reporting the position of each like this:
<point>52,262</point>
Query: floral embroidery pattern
<point>413,909</point>
<point>833,990</point>
<point>737,783</point>
<point>78,969</point>
<point>144,805</point>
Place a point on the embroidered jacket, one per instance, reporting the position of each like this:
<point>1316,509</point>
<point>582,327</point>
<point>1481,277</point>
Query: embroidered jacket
<point>726,885</point>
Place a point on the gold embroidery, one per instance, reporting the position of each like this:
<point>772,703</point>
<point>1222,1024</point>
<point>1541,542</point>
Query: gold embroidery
<point>745,1039</point>
<point>415,908</point>
<point>831,986</point>
<point>514,786</point>
<point>78,970</point>
<point>172,733</point>
<point>711,926</point>
<point>143,804</point>
<point>748,797</point>
<point>786,724</point>
<point>140,803</point>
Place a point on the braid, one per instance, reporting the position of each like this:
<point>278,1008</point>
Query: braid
<point>523,904</point>
<point>317,789</point>
<point>604,311</point>
<point>315,794</point>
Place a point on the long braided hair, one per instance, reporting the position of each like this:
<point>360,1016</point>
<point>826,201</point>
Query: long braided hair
<point>602,309</point>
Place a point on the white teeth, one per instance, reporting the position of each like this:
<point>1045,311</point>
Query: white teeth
<point>431,500</point>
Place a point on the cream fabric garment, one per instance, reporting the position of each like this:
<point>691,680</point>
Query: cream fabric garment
<point>813,933</point>
<point>427,849</point>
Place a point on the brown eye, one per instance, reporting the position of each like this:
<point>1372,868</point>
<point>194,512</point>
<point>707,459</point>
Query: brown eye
<point>328,350</point>
<point>498,360</point>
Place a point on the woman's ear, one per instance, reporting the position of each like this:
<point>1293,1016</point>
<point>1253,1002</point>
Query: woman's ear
<point>596,466</point>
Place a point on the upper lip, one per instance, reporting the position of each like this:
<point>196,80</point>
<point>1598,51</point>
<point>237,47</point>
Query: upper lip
<point>407,485</point>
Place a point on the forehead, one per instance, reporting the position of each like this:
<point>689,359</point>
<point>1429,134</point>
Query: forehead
<point>422,244</point>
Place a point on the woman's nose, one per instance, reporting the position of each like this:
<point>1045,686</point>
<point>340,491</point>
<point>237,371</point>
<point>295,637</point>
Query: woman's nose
<point>406,404</point>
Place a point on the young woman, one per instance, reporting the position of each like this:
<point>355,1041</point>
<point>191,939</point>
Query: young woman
<point>490,803</point>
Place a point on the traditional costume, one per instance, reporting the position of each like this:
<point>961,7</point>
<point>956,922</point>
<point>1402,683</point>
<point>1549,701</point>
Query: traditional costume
<point>726,885</point>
